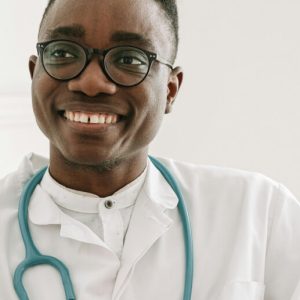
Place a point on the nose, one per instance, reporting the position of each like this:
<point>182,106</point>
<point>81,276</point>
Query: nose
<point>92,81</point>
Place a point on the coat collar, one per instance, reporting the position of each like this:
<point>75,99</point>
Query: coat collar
<point>30,164</point>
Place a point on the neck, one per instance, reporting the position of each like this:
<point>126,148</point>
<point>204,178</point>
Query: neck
<point>102,179</point>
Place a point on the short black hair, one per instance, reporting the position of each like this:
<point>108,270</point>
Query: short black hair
<point>171,12</point>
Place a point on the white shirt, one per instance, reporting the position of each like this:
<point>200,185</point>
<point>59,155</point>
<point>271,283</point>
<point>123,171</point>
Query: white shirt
<point>109,223</point>
<point>246,234</point>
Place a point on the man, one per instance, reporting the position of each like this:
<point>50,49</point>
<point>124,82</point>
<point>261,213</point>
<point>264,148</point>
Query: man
<point>102,208</point>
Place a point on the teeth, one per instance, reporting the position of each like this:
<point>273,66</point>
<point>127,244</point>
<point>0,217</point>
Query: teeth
<point>108,120</point>
<point>76,116</point>
<point>102,119</point>
<point>71,116</point>
<point>93,118</point>
<point>84,118</point>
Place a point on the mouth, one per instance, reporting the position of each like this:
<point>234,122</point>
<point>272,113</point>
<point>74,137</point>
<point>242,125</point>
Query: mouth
<point>91,117</point>
<point>91,122</point>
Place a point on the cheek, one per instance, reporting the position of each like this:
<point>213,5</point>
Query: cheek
<point>151,114</point>
<point>159,92</point>
<point>42,90</point>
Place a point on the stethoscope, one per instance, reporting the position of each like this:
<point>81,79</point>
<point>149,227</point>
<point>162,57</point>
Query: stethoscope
<point>34,257</point>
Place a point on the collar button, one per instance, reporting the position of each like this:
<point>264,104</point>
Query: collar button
<point>109,204</point>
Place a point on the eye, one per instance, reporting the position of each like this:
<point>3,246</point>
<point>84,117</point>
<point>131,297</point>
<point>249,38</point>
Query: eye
<point>130,60</point>
<point>60,53</point>
<point>128,57</point>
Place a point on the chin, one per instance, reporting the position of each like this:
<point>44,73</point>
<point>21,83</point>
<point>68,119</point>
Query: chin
<point>91,160</point>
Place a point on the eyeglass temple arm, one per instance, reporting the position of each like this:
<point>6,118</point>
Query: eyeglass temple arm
<point>163,61</point>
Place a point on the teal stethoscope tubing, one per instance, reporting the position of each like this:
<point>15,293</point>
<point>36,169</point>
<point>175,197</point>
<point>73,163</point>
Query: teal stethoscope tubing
<point>34,257</point>
<point>187,230</point>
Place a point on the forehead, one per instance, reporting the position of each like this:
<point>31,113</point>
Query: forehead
<point>100,22</point>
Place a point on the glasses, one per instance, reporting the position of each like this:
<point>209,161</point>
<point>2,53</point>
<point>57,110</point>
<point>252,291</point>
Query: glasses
<point>124,65</point>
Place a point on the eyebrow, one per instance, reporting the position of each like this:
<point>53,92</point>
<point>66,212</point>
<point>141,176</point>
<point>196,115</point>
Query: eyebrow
<point>124,36</point>
<point>74,31</point>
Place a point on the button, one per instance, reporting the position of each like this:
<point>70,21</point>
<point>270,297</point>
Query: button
<point>108,204</point>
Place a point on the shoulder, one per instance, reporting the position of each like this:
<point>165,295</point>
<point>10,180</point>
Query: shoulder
<point>11,185</point>
<point>222,184</point>
<point>189,172</point>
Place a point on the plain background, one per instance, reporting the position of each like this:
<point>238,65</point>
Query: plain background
<point>240,102</point>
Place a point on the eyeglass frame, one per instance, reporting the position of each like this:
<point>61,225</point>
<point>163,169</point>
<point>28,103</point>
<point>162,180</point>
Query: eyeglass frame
<point>90,52</point>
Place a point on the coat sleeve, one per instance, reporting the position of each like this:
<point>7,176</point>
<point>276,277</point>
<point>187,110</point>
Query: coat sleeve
<point>282,272</point>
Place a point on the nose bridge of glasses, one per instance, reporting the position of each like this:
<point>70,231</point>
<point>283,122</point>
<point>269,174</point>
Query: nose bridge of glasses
<point>100,53</point>
<point>92,54</point>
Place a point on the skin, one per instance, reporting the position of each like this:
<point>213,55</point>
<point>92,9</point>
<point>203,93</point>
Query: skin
<point>103,161</point>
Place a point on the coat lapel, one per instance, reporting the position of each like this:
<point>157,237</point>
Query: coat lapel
<point>149,222</point>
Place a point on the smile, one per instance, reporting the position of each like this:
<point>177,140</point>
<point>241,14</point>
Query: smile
<point>91,118</point>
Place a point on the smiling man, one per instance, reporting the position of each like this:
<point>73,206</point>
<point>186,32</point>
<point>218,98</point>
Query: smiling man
<point>100,209</point>
<point>101,108</point>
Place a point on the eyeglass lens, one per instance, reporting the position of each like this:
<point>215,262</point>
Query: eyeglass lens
<point>124,65</point>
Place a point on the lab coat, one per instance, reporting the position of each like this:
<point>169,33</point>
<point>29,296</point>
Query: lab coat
<point>246,234</point>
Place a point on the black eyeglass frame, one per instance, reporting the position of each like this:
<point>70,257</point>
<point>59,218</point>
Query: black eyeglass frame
<point>90,52</point>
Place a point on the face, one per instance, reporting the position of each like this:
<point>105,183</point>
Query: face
<point>132,114</point>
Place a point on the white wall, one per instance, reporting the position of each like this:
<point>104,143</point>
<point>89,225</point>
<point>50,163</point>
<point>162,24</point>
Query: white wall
<point>239,104</point>
<point>18,133</point>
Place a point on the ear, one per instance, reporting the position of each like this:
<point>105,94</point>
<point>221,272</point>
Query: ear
<point>174,84</point>
<point>32,64</point>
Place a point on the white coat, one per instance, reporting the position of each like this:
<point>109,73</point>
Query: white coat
<point>246,233</point>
